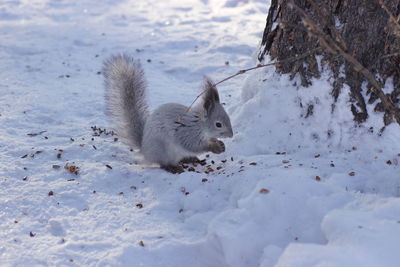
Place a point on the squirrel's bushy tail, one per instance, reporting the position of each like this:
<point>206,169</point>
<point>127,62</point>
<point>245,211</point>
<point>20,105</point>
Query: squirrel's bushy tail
<point>125,97</point>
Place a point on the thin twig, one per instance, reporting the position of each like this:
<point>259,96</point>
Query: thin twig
<point>291,59</point>
<point>390,55</point>
<point>392,18</point>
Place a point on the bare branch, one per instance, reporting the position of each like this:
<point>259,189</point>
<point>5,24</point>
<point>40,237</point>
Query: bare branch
<point>291,59</point>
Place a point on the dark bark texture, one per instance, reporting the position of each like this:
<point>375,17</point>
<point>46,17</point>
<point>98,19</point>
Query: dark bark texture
<point>368,36</point>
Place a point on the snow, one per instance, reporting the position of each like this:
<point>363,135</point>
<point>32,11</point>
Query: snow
<point>363,233</point>
<point>289,190</point>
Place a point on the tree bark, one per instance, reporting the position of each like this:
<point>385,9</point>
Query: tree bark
<point>358,43</point>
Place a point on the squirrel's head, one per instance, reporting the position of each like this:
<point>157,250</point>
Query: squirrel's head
<point>216,118</point>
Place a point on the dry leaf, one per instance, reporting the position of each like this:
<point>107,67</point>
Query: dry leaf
<point>72,168</point>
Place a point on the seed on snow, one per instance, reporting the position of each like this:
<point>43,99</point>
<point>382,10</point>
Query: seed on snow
<point>264,191</point>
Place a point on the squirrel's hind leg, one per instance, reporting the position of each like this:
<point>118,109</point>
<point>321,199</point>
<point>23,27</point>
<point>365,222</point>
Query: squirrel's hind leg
<point>173,169</point>
<point>190,160</point>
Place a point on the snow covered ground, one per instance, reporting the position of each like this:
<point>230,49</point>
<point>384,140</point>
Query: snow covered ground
<point>288,191</point>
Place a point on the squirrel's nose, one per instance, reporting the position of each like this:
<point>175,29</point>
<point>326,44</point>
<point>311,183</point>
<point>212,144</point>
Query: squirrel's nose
<point>229,134</point>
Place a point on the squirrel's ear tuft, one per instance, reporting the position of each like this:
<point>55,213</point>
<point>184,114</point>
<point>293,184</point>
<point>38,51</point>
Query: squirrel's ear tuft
<point>211,96</point>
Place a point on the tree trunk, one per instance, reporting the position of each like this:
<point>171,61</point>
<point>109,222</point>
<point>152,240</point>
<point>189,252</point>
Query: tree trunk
<point>344,33</point>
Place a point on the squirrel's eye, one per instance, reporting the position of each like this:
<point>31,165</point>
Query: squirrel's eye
<point>218,124</point>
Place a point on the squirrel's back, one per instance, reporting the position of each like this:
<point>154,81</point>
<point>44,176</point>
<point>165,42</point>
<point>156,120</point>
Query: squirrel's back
<point>172,133</point>
<point>125,97</point>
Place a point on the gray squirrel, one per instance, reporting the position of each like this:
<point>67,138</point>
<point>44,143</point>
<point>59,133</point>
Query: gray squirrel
<point>172,133</point>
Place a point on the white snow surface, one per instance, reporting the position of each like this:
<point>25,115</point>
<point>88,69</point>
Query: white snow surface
<point>289,190</point>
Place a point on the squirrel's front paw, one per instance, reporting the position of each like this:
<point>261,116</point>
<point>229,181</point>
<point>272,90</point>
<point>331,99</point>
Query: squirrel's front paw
<point>217,146</point>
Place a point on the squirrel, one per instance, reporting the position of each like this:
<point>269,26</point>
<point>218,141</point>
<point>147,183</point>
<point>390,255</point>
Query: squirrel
<point>172,133</point>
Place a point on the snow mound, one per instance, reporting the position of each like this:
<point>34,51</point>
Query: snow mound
<point>364,233</point>
<point>282,116</point>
